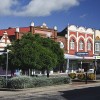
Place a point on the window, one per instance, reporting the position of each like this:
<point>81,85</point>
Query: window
<point>81,45</point>
<point>61,44</point>
<point>97,47</point>
<point>89,45</point>
<point>72,44</point>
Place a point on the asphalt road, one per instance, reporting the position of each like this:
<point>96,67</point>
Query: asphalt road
<point>98,76</point>
<point>90,93</point>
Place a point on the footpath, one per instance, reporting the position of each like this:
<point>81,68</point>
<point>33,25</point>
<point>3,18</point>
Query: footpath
<point>47,89</point>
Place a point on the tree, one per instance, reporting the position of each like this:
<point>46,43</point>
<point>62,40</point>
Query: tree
<point>55,48</point>
<point>35,52</point>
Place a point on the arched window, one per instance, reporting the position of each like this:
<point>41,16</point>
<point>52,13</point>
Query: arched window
<point>81,45</point>
<point>61,44</point>
<point>89,45</point>
<point>72,44</point>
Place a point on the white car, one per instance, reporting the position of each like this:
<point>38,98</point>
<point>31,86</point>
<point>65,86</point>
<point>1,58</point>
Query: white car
<point>91,71</point>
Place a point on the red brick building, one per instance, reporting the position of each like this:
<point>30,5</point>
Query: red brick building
<point>10,34</point>
<point>74,40</point>
<point>78,44</point>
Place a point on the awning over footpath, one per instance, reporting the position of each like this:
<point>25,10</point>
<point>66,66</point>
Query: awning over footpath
<point>68,56</point>
<point>1,53</point>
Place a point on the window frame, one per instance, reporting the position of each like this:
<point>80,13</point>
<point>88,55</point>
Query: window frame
<point>72,44</point>
<point>89,45</point>
<point>81,45</point>
<point>97,46</point>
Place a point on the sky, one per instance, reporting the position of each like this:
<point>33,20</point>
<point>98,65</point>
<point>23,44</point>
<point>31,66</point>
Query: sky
<point>60,13</point>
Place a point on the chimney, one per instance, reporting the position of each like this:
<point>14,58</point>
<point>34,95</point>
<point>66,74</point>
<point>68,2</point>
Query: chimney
<point>5,34</point>
<point>55,32</point>
<point>32,28</point>
<point>17,33</point>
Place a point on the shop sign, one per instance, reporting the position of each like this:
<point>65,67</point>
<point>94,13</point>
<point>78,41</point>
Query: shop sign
<point>82,54</point>
<point>97,57</point>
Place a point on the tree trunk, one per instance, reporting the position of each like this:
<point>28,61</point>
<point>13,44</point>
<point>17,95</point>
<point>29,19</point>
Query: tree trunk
<point>29,73</point>
<point>48,73</point>
<point>12,73</point>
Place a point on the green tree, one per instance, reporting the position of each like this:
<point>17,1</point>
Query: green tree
<point>35,52</point>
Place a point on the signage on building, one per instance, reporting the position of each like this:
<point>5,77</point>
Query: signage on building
<point>97,57</point>
<point>82,54</point>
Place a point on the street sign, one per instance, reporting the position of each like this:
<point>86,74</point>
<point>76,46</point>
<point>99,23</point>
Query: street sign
<point>82,54</point>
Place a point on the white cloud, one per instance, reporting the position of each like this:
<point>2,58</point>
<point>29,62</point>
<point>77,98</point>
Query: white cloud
<point>5,6</point>
<point>83,16</point>
<point>35,7</point>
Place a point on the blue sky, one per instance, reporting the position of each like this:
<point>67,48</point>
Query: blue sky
<point>60,13</point>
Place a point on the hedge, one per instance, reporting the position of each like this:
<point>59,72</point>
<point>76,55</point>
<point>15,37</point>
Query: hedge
<point>30,82</point>
<point>2,82</point>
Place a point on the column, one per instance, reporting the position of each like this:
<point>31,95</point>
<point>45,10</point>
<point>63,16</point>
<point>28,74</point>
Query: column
<point>67,67</point>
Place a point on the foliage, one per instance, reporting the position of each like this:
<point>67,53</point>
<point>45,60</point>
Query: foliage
<point>20,82</point>
<point>72,75</point>
<point>2,82</point>
<point>30,82</point>
<point>41,81</point>
<point>91,76</point>
<point>34,52</point>
<point>60,80</point>
<point>81,76</point>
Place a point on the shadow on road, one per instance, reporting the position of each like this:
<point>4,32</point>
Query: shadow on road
<point>8,89</point>
<point>91,93</point>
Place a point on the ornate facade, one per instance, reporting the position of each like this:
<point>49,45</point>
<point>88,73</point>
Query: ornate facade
<point>78,44</point>
<point>73,40</point>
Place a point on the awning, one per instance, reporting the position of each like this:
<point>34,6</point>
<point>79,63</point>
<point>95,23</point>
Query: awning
<point>1,53</point>
<point>68,56</point>
<point>88,57</point>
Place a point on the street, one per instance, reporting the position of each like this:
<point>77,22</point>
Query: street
<point>70,92</point>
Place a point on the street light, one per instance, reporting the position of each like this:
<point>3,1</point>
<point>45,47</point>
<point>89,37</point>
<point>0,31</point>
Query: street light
<point>95,67</point>
<point>81,66</point>
<point>7,67</point>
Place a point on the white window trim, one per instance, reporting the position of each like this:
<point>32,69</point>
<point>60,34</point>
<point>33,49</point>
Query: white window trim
<point>81,45</point>
<point>72,44</point>
<point>89,45</point>
<point>97,46</point>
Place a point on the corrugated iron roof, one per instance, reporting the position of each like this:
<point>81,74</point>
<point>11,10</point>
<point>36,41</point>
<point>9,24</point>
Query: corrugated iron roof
<point>11,31</point>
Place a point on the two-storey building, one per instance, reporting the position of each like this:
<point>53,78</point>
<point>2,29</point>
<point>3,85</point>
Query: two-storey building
<point>78,45</point>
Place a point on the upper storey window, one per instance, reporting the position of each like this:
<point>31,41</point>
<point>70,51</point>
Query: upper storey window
<point>89,45</point>
<point>97,47</point>
<point>72,44</point>
<point>81,45</point>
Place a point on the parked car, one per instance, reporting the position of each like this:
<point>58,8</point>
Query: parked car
<point>91,71</point>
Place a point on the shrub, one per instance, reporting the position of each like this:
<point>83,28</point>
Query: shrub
<point>60,80</point>
<point>91,76</point>
<point>81,76</point>
<point>41,81</point>
<point>30,82</point>
<point>2,82</point>
<point>20,82</point>
<point>72,75</point>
